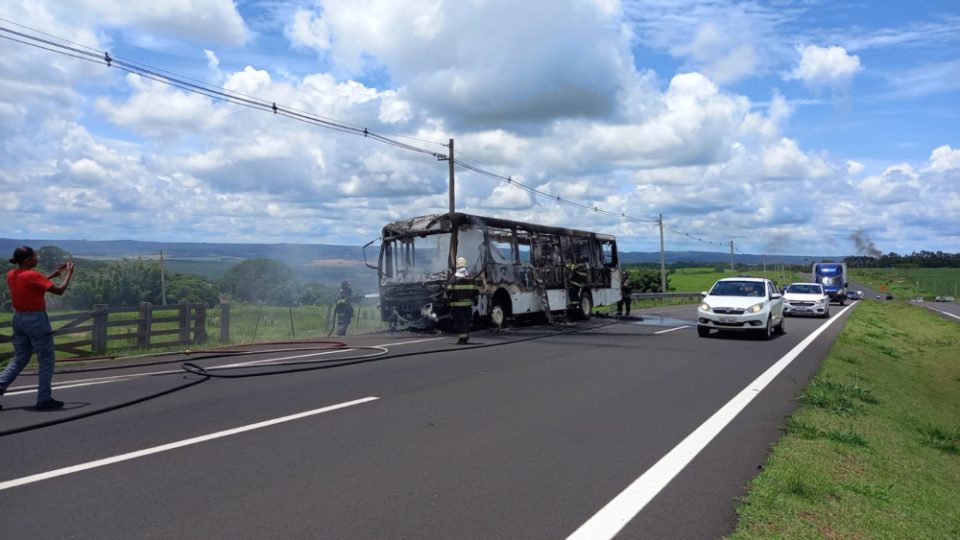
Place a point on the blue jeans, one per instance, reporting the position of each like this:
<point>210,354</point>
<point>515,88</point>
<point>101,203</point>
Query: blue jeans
<point>32,333</point>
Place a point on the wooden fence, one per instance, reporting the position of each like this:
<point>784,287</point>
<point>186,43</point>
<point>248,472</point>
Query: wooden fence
<point>186,323</point>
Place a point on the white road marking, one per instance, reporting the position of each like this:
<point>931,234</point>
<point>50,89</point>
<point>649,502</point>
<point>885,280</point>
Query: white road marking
<point>607,522</point>
<point>948,314</point>
<point>672,329</point>
<point>174,445</point>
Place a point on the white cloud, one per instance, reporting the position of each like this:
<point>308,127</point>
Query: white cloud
<point>307,30</point>
<point>854,167</point>
<point>194,20</point>
<point>721,58</point>
<point>548,60</point>
<point>248,81</point>
<point>157,110</point>
<point>825,67</point>
<point>945,158</point>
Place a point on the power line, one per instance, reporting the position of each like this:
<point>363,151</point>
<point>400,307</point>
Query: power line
<point>90,54</point>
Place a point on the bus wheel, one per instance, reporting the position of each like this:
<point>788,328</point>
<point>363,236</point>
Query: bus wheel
<point>497,314</point>
<point>586,305</point>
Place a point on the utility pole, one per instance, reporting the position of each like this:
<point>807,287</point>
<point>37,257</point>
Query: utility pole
<point>451,190</point>
<point>733,267</point>
<point>663,266</point>
<point>452,207</point>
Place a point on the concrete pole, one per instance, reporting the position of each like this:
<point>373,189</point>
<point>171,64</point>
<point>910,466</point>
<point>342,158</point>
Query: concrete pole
<point>663,265</point>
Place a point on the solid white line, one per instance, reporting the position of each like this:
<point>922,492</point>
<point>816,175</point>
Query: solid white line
<point>618,512</point>
<point>671,329</point>
<point>948,314</point>
<point>171,446</point>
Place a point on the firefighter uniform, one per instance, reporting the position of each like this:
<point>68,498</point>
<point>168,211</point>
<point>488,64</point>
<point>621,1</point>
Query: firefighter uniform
<point>578,279</point>
<point>463,293</point>
<point>344,309</point>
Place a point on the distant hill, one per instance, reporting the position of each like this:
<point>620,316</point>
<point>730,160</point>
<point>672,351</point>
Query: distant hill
<point>296,254</point>
<point>119,249</point>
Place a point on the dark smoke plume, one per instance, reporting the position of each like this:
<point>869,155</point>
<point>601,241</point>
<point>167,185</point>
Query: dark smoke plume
<point>864,245</point>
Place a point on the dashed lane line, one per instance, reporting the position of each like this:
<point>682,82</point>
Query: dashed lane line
<point>174,445</point>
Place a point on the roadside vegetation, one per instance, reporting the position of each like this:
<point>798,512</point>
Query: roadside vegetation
<point>874,449</point>
<point>905,283</point>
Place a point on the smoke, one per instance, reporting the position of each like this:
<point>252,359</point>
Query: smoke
<point>865,246</point>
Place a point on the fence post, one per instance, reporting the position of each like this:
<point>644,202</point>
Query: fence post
<point>99,332</point>
<point>184,323</point>
<point>144,323</point>
<point>200,324</point>
<point>225,322</point>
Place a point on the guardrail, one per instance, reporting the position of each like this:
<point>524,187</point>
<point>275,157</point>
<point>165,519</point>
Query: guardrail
<point>657,295</point>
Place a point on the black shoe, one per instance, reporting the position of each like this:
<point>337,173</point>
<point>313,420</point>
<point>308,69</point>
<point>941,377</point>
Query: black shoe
<point>49,404</point>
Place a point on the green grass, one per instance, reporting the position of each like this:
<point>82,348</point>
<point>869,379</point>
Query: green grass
<point>874,449</point>
<point>701,279</point>
<point>905,283</point>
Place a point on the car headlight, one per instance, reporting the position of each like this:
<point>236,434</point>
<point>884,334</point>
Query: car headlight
<point>821,300</point>
<point>704,306</point>
<point>756,308</point>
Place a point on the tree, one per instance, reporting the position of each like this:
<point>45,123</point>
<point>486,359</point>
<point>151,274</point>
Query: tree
<point>260,280</point>
<point>646,279</point>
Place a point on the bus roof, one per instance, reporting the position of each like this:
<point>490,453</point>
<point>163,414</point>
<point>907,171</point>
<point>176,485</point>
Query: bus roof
<point>441,222</point>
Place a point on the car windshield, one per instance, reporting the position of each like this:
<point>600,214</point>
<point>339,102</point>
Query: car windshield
<point>738,288</point>
<point>804,289</point>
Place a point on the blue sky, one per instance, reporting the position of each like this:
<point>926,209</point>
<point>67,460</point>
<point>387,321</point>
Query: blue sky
<point>787,127</point>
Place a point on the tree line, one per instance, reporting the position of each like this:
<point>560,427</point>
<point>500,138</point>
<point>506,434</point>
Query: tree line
<point>923,259</point>
<point>129,282</point>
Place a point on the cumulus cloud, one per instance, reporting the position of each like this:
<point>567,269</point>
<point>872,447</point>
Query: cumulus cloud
<point>307,30</point>
<point>721,58</point>
<point>193,20</point>
<point>825,67</point>
<point>854,167</point>
<point>548,60</point>
<point>158,110</point>
<point>945,158</point>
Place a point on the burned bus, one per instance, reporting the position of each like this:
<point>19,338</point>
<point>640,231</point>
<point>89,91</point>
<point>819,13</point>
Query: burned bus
<point>522,269</point>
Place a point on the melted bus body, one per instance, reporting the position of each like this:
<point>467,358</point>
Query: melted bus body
<point>521,268</point>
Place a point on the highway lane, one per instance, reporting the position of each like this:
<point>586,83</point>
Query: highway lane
<point>519,440</point>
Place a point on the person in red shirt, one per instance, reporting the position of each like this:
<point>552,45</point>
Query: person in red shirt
<point>32,332</point>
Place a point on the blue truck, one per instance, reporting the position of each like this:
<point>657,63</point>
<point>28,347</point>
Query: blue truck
<point>833,277</point>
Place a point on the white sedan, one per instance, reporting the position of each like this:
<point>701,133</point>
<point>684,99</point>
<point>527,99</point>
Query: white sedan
<point>741,304</point>
<point>806,299</point>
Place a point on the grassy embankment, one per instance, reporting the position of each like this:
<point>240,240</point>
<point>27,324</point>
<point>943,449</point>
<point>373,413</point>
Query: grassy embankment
<point>874,449</point>
<point>905,283</point>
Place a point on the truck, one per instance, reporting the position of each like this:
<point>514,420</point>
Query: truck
<point>833,277</point>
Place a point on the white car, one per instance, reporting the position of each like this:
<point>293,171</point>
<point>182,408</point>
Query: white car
<point>741,304</point>
<point>806,299</point>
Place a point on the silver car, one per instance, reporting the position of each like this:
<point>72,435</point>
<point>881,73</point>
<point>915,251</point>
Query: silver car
<point>807,299</point>
<point>741,304</point>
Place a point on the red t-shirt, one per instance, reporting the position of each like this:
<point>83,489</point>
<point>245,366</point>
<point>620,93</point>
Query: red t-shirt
<point>27,288</point>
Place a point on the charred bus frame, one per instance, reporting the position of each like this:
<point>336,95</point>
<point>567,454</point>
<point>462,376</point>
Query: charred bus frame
<point>521,267</point>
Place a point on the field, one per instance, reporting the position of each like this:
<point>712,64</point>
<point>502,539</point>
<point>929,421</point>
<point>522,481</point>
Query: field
<point>701,279</point>
<point>874,449</point>
<point>906,283</point>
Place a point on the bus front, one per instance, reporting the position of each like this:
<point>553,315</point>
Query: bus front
<point>413,271</point>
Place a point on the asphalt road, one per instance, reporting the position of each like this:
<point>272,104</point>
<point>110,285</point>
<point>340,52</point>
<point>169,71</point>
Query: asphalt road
<point>583,432</point>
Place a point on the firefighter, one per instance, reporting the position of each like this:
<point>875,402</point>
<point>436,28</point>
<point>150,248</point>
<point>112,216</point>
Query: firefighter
<point>578,278</point>
<point>344,309</point>
<point>625,290</point>
<point>463,293</point>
